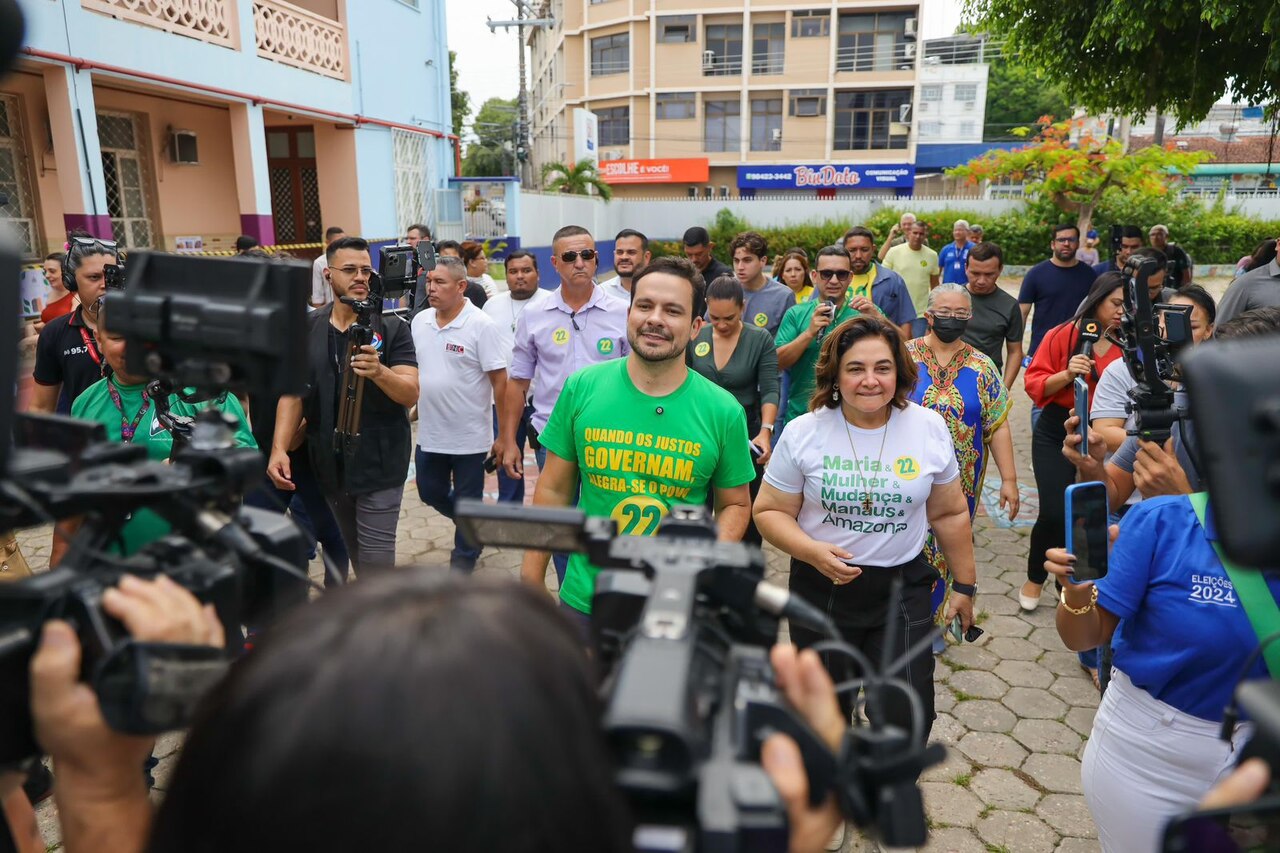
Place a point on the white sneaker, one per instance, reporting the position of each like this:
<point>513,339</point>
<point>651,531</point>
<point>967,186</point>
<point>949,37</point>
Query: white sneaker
<point>836,841</point>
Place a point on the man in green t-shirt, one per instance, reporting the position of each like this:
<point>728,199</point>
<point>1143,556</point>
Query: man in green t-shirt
<point>804,326</point>
<point>120,403</point>
<point>644,433</point>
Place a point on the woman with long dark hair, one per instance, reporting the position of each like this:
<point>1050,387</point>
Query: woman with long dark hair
<point>1062,356</point>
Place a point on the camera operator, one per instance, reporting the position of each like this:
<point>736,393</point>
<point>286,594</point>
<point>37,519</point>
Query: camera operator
<point>364,488</point>
<point>1147,467</point>
<point>68,358</point>
<point>641,434</point>
<point>270,761</point>
<point>847,547</point>
<point>122,404</point>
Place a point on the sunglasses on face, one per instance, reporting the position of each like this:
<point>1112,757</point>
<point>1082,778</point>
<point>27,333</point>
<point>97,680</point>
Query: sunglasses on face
<point>585,254</point>
<point>838,275</point>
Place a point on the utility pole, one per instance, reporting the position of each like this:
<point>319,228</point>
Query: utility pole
<point>525,19</point>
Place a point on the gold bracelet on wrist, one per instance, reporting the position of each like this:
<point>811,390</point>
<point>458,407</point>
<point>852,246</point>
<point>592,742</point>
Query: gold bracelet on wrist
<point>1078,611</point>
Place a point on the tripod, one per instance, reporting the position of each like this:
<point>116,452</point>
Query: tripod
<point>346,434</point>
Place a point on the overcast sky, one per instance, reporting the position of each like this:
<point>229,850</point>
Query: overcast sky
<point>488,65</point>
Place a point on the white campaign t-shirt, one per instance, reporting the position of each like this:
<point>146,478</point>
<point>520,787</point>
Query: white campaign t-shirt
<point>505,311</point>
<point>454,393</point>
<point>321,292</point>
<point>813,457</point>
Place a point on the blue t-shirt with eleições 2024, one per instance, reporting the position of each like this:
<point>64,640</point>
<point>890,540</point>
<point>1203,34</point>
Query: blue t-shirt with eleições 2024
<point>1183,634</point>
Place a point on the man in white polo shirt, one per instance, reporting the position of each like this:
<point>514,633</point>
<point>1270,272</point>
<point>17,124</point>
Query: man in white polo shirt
<point>459,349</point>
<point>523,294</point>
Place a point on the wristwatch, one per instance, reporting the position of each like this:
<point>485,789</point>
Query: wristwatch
<point>969,589</point>
<point>769,427</point>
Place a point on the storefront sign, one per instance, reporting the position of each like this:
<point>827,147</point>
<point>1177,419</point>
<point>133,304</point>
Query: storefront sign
<point>827,177</point>
<point>691,170</point>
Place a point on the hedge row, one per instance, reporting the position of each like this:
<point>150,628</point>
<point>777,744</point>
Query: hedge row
<point>1211,234</point>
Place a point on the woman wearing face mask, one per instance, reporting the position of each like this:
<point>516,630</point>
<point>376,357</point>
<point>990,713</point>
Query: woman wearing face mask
<point>965,387</point>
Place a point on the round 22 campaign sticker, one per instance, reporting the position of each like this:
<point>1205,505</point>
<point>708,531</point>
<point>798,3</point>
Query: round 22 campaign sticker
<point>560,337</point>
<point>761,320</point>
<point>702,349</point>
<point>605,346</point>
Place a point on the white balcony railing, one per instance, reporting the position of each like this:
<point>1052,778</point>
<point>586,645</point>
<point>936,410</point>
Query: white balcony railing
<point>900,57</point>
<point>212,21</point>
<point>294,36</point>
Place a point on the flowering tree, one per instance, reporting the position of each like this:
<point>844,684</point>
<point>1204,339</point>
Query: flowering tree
<point>1076,172</point>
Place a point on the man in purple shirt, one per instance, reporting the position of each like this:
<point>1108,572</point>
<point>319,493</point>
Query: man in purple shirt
<point>578,326</point>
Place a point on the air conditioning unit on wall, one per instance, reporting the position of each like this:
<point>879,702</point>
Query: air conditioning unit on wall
<point>182,147</point>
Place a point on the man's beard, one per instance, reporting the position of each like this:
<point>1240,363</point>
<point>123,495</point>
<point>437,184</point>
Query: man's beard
<point>655,357</point>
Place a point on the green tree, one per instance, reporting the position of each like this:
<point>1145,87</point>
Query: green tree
<point>1178,57</point>
<point>1077,173</point>
<point>1017,96</point>
<point>576,179</point>
<point>459,100</point>
<point>494,129</point>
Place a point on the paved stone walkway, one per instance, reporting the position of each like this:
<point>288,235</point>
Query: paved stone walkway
<point>1014,709</point>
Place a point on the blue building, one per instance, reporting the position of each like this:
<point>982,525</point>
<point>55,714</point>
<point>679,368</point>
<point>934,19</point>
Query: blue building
<point>183,124</point>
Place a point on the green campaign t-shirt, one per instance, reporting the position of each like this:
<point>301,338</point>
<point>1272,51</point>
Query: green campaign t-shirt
<point>95,404</point>
<point>804,377</point>
<point>639,455</point>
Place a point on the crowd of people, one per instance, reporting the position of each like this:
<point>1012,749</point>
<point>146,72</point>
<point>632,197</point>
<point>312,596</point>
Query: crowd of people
<point>842,403</point>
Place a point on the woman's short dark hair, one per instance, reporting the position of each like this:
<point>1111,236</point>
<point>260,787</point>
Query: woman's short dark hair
<point>1103,286</point>
<point>1201,298</point>
<point>726,287</point>
<point>428,713</point>
<point>841,339</point>
<point>471,250</point>
<point>1254,323</point>
<point>1263,254</point>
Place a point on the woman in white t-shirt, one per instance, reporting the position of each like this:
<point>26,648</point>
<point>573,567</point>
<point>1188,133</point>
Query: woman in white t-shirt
<point>850,494</point>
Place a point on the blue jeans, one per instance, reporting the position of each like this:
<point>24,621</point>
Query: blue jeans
<point>443,478</point>
<point>309,508</point>
<point>561,561</point>
<point>1035,417</point>
<point>509,490</point>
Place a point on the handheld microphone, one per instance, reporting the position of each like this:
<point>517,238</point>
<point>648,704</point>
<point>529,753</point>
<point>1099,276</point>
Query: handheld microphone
<point>835,306</point>
<point>1090,333</point>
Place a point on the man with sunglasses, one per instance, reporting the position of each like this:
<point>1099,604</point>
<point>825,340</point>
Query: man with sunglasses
<point>364,484</point>
<point>68,358</point>
<point>805,326</point>
<point>580,324</point>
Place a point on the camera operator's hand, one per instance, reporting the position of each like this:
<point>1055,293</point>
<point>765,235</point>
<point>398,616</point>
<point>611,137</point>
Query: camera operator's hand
<point>830,560</point>
<point>1246,784</point>
<point>366,363</point>
<point>280,470</point>
<point>804,681</point>
<point>1156,471</point>
<point>1079,365</point>
<point>101,794</point>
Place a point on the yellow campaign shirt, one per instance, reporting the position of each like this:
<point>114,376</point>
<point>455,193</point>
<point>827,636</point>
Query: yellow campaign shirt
<point>915,267</point>
<point>860,285</point>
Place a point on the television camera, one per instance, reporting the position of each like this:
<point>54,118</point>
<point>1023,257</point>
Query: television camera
<point>211,324</point>
<point>682,626</point>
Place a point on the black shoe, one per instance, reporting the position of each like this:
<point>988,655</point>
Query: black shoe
<point>39,783</point>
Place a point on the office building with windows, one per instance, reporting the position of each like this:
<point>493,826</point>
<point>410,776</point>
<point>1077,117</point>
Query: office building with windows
<point>180,125</point>
<point>721,98</point>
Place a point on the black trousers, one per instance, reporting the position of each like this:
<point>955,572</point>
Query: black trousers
<point>860,609</point>
<point>1053,474</point>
